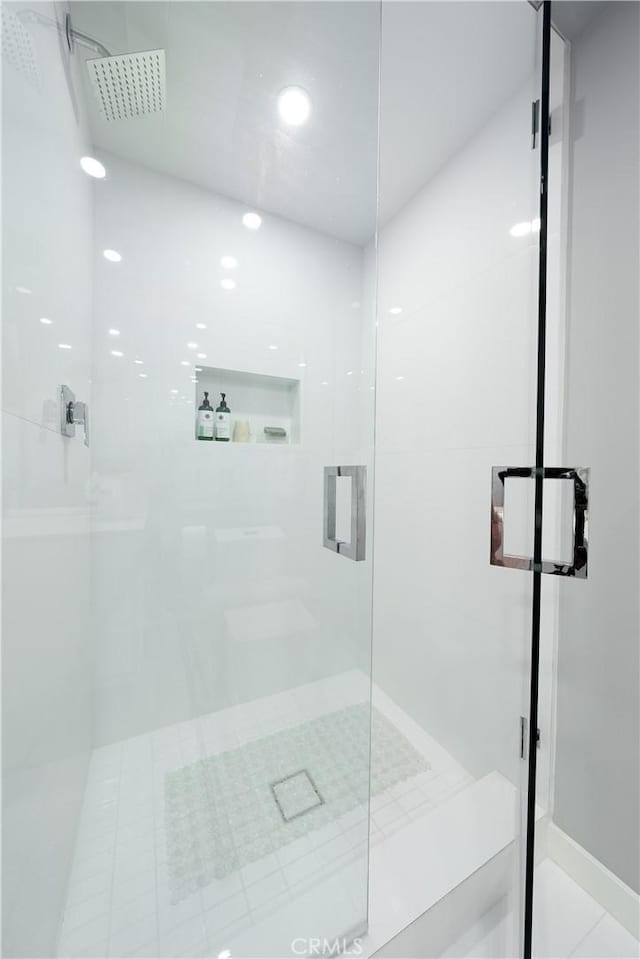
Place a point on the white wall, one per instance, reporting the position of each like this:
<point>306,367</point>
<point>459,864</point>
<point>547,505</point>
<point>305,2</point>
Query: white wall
<point>456,389</point>
<point>210,584</point>
<point>46,647</point>
<point>597,776</point>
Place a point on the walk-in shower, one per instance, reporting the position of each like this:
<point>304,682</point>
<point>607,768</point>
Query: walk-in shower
<point>320,439</point>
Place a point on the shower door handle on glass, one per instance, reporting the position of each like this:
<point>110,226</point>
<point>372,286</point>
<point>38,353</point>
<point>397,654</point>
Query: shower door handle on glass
<point>579,477</point>
<point>355,547</point>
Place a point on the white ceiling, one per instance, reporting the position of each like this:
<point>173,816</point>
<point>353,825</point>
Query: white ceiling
<point>446,67</point>
<point>572,16</point>
<point>226,63</point>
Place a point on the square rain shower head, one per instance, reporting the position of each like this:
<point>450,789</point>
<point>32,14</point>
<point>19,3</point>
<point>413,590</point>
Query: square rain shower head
<point>130,85</point>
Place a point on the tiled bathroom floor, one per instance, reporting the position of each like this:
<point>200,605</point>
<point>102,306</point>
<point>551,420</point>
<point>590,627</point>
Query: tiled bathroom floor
<point>122,898</point>
<point>568,924</point>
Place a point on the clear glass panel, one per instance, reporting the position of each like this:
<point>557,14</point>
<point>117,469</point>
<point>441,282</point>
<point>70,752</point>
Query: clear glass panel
<point>188,697</point>
<point>587,879</point>
<point>457,338</point>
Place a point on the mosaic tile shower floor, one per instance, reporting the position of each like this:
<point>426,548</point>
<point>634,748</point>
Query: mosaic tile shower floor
<point>120,898</point>
<point>221,813</point>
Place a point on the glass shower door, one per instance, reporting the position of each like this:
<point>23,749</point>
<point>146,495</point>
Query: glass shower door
<point>218,167</point>
<point>458,294</point>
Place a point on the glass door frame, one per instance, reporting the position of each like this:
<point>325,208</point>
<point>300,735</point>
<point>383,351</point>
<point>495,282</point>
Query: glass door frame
<point>534,691</point>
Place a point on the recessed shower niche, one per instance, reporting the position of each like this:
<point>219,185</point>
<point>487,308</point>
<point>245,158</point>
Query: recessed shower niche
<point>264,409</point>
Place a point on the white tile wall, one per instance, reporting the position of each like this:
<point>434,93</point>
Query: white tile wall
<point>170,581</point>
<point>456,390</point>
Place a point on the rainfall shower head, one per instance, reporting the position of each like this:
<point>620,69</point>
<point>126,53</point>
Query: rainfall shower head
<point>17,47</point>
<point>130,85</point>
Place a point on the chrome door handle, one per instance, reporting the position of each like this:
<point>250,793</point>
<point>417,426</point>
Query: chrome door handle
<point>355,549</point>
<point>580,478</point>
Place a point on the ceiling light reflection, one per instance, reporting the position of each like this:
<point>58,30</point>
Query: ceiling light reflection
<point>294,105</point>
<point>252,221</point>
<point>93,167</point>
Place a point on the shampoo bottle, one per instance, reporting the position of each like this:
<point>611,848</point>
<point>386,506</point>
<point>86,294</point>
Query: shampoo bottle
<point>223,421</point>
<point>205,421</point>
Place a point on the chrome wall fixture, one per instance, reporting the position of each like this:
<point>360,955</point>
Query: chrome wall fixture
<point>580,479</point>
<point>73,413</point>
<point>356,547</point>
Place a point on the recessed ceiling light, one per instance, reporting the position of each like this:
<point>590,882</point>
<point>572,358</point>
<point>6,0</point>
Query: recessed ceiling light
<point>192,346</point>
<point>112,255</point>
<point>64,346</point>
<point>252,221</point>
<point>46,321</point>
<point>185,363</point>
<point>138,362</point>
<point>24,290</point>
<point>201,356</point>
<point>294,105</point>
<point>113,332</point>
<point>228,262</point>
<point>521,229</point>
<point>93,167</point>
<point>395,310</point>
<point>228,283</point>
<point>273,346</point>
<point>201,326</point>
<point>117,353</point>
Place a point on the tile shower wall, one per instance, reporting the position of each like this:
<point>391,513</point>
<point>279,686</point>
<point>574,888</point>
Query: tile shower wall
<point>46,668</point>
<point>455,397</point>
<point>210,586</point>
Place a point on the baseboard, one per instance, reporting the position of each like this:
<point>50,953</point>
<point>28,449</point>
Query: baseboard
<point>605,887</point>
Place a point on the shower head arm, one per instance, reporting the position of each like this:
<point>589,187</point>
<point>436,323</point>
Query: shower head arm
<point>83,39</point>
<point>72,36</point>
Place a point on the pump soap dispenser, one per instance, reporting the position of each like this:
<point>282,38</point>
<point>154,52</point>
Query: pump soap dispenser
<point>205,421</point>
<point>223,421</point>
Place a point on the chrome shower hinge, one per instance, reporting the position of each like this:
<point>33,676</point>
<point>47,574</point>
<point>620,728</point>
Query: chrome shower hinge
<point>524,725</point>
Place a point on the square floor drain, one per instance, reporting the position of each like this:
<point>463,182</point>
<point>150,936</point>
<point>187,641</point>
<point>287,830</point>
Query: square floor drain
<point>296,795</point>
